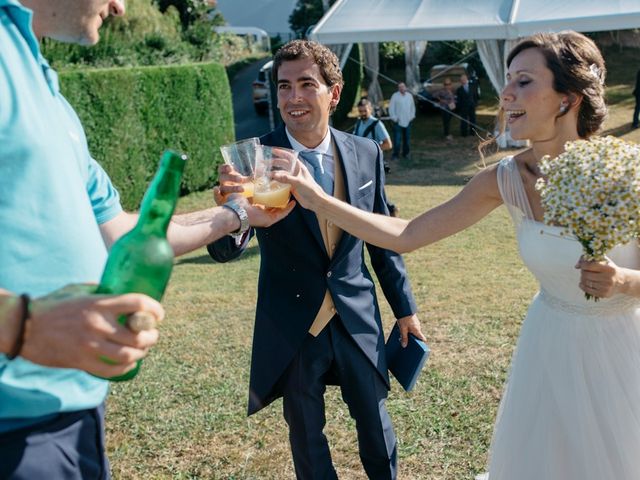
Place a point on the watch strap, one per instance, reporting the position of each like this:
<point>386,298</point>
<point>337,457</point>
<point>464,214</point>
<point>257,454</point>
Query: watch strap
<point>242,216</point>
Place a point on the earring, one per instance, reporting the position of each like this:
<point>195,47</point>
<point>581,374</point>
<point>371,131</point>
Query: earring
<point>563,107</point>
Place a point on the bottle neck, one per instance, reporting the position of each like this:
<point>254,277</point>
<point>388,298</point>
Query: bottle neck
<point>154,220</point>
<point>160,200</point>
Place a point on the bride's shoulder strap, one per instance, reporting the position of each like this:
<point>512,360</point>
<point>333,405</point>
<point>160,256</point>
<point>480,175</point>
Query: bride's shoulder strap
<point>507,169</point>
<point>512,189</point>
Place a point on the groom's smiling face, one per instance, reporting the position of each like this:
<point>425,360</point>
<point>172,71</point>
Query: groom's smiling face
<point>304,99</point>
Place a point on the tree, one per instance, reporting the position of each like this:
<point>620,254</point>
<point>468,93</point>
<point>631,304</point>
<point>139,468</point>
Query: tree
<point>189,10</point>
<point>306,14</point>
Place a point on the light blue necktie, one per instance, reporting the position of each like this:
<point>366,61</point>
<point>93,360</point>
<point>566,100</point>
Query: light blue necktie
<point>312,158</point>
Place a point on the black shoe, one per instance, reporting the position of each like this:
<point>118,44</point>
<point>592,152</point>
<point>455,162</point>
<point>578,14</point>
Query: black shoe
<point>387,168</point>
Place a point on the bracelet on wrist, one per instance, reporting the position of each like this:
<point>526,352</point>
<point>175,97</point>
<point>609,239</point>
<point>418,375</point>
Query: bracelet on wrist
<point>25,300</point>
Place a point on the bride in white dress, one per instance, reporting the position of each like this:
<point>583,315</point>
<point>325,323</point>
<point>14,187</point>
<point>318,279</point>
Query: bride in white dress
<point>571,407</point>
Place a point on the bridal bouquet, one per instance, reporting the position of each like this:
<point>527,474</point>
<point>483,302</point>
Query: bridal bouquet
<point>593,190</point>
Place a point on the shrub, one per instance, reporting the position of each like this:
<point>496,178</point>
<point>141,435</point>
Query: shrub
<point>145,36</point>
<point>131,115</point>
<point>353,75</point>
<point>391,55</point>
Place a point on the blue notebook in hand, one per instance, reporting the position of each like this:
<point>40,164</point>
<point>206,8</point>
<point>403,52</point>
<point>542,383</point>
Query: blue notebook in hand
<point>405,363</point>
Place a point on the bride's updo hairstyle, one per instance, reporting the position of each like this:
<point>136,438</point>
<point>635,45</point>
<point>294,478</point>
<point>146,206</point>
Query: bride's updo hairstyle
<point>578,67</point>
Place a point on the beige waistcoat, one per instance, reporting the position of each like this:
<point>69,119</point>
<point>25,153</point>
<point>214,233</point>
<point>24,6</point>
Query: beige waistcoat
<point>331,235</point>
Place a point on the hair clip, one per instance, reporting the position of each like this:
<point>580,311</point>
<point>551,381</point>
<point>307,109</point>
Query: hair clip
<point>596,73</point>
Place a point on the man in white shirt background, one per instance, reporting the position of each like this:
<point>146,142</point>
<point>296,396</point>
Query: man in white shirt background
<point>402,111</point>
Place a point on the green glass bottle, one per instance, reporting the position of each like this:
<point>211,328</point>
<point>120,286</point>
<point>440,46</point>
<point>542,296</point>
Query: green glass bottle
<point>141,260</point>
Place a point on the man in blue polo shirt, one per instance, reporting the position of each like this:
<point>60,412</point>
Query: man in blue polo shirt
<point>371,127</point>
<point>59,213</point>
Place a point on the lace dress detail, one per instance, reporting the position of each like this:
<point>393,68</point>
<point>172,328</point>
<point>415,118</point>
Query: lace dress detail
<point>616,305</point>
<point>571,406</point>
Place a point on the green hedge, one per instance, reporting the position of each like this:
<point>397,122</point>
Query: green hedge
<point>352,74</point>
<point>131,115</point>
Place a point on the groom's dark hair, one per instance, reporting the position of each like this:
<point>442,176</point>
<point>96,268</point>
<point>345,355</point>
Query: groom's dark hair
<point>321,56</point>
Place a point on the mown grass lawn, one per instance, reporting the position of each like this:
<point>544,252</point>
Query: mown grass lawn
<point>184,416</point>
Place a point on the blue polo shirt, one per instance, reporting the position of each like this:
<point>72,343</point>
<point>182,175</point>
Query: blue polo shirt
<point>378,133</point>
<point>53,196</point>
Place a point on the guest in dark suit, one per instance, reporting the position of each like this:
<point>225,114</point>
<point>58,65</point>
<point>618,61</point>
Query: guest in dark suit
<point>317,318</point>
<point>466,101</point>
<point>636,93</point>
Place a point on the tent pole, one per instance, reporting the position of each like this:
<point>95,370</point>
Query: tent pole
<point>515,6</point>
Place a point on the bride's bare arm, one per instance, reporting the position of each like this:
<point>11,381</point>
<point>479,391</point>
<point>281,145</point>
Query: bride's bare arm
<point>476,200</point>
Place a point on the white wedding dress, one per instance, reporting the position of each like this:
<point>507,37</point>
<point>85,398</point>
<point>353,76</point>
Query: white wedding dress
<point>571,405</point>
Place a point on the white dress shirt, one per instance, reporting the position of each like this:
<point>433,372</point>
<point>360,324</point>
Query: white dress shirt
<point>402,109</point>
<point>324,148</point>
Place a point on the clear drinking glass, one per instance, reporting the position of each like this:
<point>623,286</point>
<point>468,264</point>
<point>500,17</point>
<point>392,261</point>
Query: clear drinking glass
<point>267,191</point>
<point>242,156</point>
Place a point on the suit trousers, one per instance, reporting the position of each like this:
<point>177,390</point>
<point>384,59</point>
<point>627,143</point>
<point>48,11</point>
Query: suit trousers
<point>401,137</point>
<point>70,446</point>
<point>468,121</point>
<point>446,121</point>
<point>333,357</point>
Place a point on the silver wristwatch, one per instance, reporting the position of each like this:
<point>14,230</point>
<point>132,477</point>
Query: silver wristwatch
<point>242,216</point>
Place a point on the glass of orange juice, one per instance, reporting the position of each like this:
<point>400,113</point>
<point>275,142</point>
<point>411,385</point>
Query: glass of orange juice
<point>242,156</point>
<point>267,191</point>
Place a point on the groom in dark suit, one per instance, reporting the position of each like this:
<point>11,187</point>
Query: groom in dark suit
<point>317,318</point>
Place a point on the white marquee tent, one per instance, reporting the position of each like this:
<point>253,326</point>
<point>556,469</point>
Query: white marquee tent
<point>498,22</point>
<point>494,24</point>
<point>403,20</point>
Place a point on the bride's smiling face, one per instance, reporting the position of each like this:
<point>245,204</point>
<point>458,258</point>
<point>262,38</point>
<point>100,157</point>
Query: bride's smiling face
<point>530,103</point>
